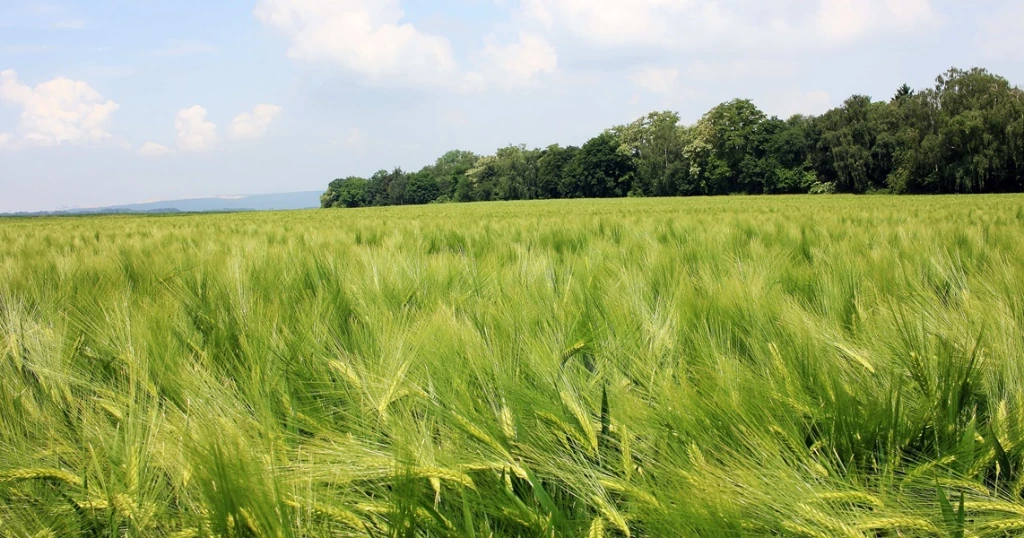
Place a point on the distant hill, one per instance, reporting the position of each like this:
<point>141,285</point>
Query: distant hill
<point>255,202</point>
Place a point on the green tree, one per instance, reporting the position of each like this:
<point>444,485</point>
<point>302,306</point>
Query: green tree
<point>788,150</point>
<point>598,170</point>
<point>979,112</point>
<point>330,197</point>
<point>723,148</point>
<point>963,135</point>
<point>347,192</point>
<point>903,93</point>
<point>551,167</point>
<point>655,145</point>
<point>377,188</point>
<point>422,187</point>
<point>516,173</point>
<point>481,180</point>
<point>352,192</point>
<point>853,150</point>
<point>451,168</point>
<point>397,183</point>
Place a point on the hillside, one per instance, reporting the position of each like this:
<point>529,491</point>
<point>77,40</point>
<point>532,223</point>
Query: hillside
<point>255,202</point>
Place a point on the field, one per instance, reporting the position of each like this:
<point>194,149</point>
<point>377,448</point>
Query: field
<point>787,366</point>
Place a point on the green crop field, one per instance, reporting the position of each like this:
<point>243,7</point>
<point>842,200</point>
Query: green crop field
<point>788,366</point>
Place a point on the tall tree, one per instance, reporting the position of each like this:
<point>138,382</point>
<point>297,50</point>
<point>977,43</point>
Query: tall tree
<point>966,134</point>
<point>551,168</point>
<point>848,150</point>
<point>599,170</point>
<point>451,168</point>
<point>724,146</point>
<point>422,187</point>
<point>655,146</point>
<point>788,152</point>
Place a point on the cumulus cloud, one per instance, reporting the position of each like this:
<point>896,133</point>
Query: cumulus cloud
<point>726,23</point>
<point>370,39</point>
<point>60,111</point>
<point>608,22</point>
<point>252,125</point>
<point>152,149</point>
<point>366,37</point>
<point>194,132</point>
<point>655,79</point>
<point>519,63</point>
<point>843,20</point>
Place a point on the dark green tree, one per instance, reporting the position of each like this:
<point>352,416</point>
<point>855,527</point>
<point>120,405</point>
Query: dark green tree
<point>964,135</point>
<point>788,150</point>
<point>849,151</point>
<point>347,192</point>
<point>551,167</point>
<point>422,187</point>
<point>599,170</point>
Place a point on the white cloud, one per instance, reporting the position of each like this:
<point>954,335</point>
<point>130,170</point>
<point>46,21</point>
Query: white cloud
<point>152,149</point>
<point>58,111</point>
<point>655,79</point>
<point>5,139</point>
<point>729,24</point>
<point>843,20</point>
<point>194,132</point>
<point>252,125</point>
<point>365,37</point>
<point>519,63</point>
<point>608,22</point>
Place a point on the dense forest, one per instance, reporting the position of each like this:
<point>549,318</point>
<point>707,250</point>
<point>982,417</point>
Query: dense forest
<point>965,135</point>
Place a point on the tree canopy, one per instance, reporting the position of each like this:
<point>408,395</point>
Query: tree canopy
<point>964,135</point>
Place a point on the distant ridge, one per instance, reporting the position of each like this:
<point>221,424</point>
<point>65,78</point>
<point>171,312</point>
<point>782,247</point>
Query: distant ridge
<point>255,202</point>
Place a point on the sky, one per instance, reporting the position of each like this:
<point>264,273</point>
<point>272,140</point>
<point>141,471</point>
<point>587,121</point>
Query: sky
<point>106,102</point>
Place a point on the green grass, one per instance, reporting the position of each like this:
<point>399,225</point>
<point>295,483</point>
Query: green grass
<point>786,366</point>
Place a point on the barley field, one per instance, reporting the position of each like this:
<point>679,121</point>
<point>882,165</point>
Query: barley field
<point>743,366</point>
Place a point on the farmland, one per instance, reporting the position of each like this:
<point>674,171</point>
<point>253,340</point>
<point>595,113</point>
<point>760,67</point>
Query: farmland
<point>787,366</point>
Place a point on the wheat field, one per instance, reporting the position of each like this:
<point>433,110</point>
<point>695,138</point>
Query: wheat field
<point>742,366</point>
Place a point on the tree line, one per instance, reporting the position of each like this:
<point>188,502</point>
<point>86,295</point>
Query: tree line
<point>964,135</point>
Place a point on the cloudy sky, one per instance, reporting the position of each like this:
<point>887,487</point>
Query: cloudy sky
<point>117,101</point>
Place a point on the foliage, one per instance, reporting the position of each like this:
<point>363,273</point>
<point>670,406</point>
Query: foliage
<point>348,192</point>
<point>964,135</point>
<point>822,188</point>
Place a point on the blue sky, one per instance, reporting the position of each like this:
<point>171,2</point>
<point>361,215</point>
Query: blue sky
<point>118,101</point>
